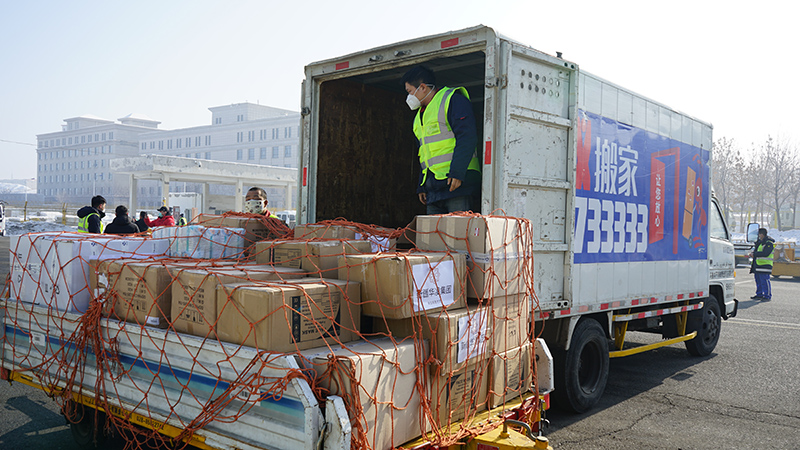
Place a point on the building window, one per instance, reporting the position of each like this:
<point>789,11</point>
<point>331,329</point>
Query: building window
<point>251,154</point>
<point>144,145</point>
<point>239,154</point>
<point>240,118</point>
<point>152,145</point>
<point>197,141</point>
<point>239,136</point>
<point>197,155</point>
<point>110,176</point>
<point>263,152</point>
<point>161,145</point>
<point>102,163</point>
<point>208,140</point>
<point>275,153</point>
<point>251,135</point>
<point>70,141</point>
<point>274,133</point>
<point>287,152</point>
<point>89,138</point>
<point>110,149</point>
<point>188,155</point>
<point>178,143</point>
<point>208,155</point>
<point>83,139</point>
<point>169,144</point>
<point>111,135</point>
<point>96,137</point>
<point>287,132</point>
<point>188,142</point>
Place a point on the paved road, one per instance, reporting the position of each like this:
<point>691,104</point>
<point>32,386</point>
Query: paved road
<point>744,395</point>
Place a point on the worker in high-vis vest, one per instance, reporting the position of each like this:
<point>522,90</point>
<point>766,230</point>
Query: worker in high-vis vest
<point>761,267</point>
<point>90,217</point>
<point>450,175</point>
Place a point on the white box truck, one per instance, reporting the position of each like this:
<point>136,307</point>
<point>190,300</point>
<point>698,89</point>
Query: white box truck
<point>627,233</point>
<point>627,237</point>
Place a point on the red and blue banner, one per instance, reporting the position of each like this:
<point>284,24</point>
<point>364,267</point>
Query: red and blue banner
<point>639,196</point>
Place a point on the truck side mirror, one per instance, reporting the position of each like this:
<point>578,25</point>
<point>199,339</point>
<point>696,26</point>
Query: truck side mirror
<point>752,232</point>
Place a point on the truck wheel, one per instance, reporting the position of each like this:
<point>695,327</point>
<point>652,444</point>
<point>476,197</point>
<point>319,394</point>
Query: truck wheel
<point>84,425</point>
<point>706,322</point>
<point>582,371</point>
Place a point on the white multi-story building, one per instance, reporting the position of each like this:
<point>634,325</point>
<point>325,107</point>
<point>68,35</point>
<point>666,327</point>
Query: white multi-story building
<point>242,132</point>
<point>73,163</point>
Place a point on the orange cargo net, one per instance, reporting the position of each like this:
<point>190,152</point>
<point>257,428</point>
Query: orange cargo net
<point>418,329</point>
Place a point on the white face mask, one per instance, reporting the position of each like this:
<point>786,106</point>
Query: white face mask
<point>254,206</point>
<point>413,102</point>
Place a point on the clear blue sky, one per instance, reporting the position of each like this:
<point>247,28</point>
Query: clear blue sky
<point>731,64</point>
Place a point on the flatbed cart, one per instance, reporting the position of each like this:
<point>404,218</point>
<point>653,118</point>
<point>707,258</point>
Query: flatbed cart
<point>169,382</point>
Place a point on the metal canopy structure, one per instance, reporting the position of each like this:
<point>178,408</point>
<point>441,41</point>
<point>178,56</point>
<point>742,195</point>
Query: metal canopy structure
<point>173,168</point>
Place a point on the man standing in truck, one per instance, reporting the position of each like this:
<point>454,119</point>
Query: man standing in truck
<point>450,176</point>
<point>762,265</point>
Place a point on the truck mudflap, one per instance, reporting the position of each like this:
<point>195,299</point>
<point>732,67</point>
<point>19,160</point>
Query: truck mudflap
<point>173,382</point>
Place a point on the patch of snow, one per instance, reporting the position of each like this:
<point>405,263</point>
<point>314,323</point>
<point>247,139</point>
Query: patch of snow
<point>16,227</point>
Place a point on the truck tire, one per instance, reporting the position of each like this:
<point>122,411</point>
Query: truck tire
<point>83,427</point>
<point>707,322</point>
<point>582,371</point>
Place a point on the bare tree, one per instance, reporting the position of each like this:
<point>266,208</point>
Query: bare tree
<point>726,167</point>
<point>778,162</point>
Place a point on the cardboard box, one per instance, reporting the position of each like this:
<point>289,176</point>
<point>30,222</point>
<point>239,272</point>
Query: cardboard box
<point>194,292</point>
<point>289,317</point>
<point>512,314</point>
<point>322,231</point>
<point>457,337</point>
<point>493,245</point>
<point>315,257</point>
<point>457,395</point>
<point>27,255</point>
<point>381,376</point>
<point>255,228</point>
<point>401,285</point>
<point>512,375</point>
<point>318,231</point>
<point>138,292</point>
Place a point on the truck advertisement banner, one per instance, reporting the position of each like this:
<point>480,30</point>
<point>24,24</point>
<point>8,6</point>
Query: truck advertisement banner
<point>639,196</point>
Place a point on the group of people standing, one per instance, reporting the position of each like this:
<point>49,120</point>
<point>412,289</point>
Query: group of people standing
<point>90,217</point>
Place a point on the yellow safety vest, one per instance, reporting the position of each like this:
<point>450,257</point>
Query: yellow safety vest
<point>764,262</point>
<point>83,223</point>
<point>437,142</point>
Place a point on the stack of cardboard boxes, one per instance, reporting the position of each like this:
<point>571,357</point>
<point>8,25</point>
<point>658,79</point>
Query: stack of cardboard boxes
<point>52,269</point>
<point>446,325</point>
